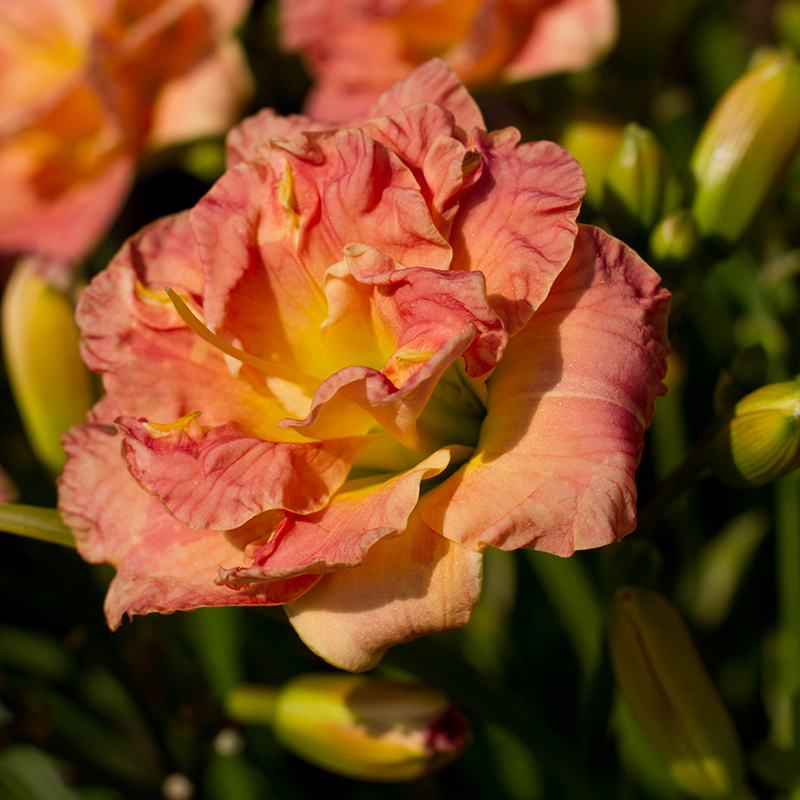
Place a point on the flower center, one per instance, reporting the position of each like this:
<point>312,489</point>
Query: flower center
<point>456,410</point>
<point>268,367</point>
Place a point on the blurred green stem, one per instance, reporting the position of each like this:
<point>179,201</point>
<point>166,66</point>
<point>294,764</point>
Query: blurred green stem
<point>787,553</point>
<point>32,522</point>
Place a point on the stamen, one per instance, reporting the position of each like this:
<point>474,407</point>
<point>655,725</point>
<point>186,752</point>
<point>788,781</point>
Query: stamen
<point>268,367</point>
<point>287,196</point>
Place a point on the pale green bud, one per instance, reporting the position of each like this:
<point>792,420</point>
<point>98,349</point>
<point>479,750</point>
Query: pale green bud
<point>759,440</point>
<point>665,684</point>
<point>593,144</point>
<point>637,177</point>
<point>745,147</point>
<point>675,240</point>
<point>356,725</point>
<point>51,385</point>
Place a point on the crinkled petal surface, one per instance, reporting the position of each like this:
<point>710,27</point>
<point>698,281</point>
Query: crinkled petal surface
<point>408,586</point>
<point>568,407</point>
<point>161,564</point>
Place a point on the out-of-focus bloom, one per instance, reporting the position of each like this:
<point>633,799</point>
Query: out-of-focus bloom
<point>760,439</point>
<point>666,685</point>
<point>746,145</point>
<point>416,353</point>
<point>364,727</point>
<point>358,48</point>
<point>85,87</point>
<point>51,385</point>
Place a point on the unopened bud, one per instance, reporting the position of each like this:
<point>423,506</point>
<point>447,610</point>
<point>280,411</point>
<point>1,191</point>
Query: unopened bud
<point>593,144</point>
<point>635,183</point>
<point>746,145</point>
<point>759,440</point>
<point>675,239</point>
<point>359,726</point>
<point>51,385</point>
<point>664,682</point>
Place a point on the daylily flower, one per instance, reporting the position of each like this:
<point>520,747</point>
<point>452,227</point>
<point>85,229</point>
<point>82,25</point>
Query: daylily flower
<point>410,351</point>
<point>356,49</point>
<point>85,87</point>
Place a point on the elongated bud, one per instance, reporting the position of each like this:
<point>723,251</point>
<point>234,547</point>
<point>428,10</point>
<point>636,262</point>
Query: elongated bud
<point>51,385</point>
<point>635,182</point>
<point>671,696</point>
<point>746,146</point>
<point>760,439</point>
<point>359,726</point>
<point>675,239</point>
<point>593,144</point>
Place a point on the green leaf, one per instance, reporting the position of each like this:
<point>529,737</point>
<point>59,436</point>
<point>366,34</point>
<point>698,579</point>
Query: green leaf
<point>26,773</point>
<point>35,523</point>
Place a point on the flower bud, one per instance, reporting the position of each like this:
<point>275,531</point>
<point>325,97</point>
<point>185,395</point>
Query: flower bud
<point>671,696</point>
<point>675,239</point>
<point>759,440</point>
<point>358,726</point>
<point>51,385</point>
<point>593,144</point>
<point>635,182</point>
<point>746,145</point>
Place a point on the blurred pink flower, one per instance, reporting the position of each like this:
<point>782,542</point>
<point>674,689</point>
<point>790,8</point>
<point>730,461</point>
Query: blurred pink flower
<point>417,353</point>
<point>355,49</point>
<point>85,87</point>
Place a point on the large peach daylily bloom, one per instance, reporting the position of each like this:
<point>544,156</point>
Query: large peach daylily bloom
<point>356,49</point>
<point>85,87</point>
<point>417,353</point>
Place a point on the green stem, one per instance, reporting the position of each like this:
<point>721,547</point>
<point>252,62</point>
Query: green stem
<point>787,552</point>
<point>44,524</point>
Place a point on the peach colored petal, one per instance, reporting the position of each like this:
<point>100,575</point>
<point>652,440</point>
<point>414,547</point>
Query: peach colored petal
<point>418,309</point>
<point>220,478</point>
<point>243,141</point>
<point>569,35</point>
<point>153,365</point>
<point>432,82</point>
<point>67,226</point>
<point>161,564</point>
<point>568,407</point>
<point>354,398</point>
<point>518,225</point>
<point>265,261</point>
<point>339,535</point>
<point>204,101</point>
<point>427,140</point>
<point>407,587</point>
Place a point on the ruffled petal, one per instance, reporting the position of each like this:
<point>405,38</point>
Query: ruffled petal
<point>568,407</point>
<point>219,479</point>
<point>152,363</point>
<point>517,225</point>
<point>355,398</point>
<point>427,140</point>
<point>270,229</point>
<point>339,536</point>
<point>432,82</point>
<point>408,586</point>
<point>162,565</point>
